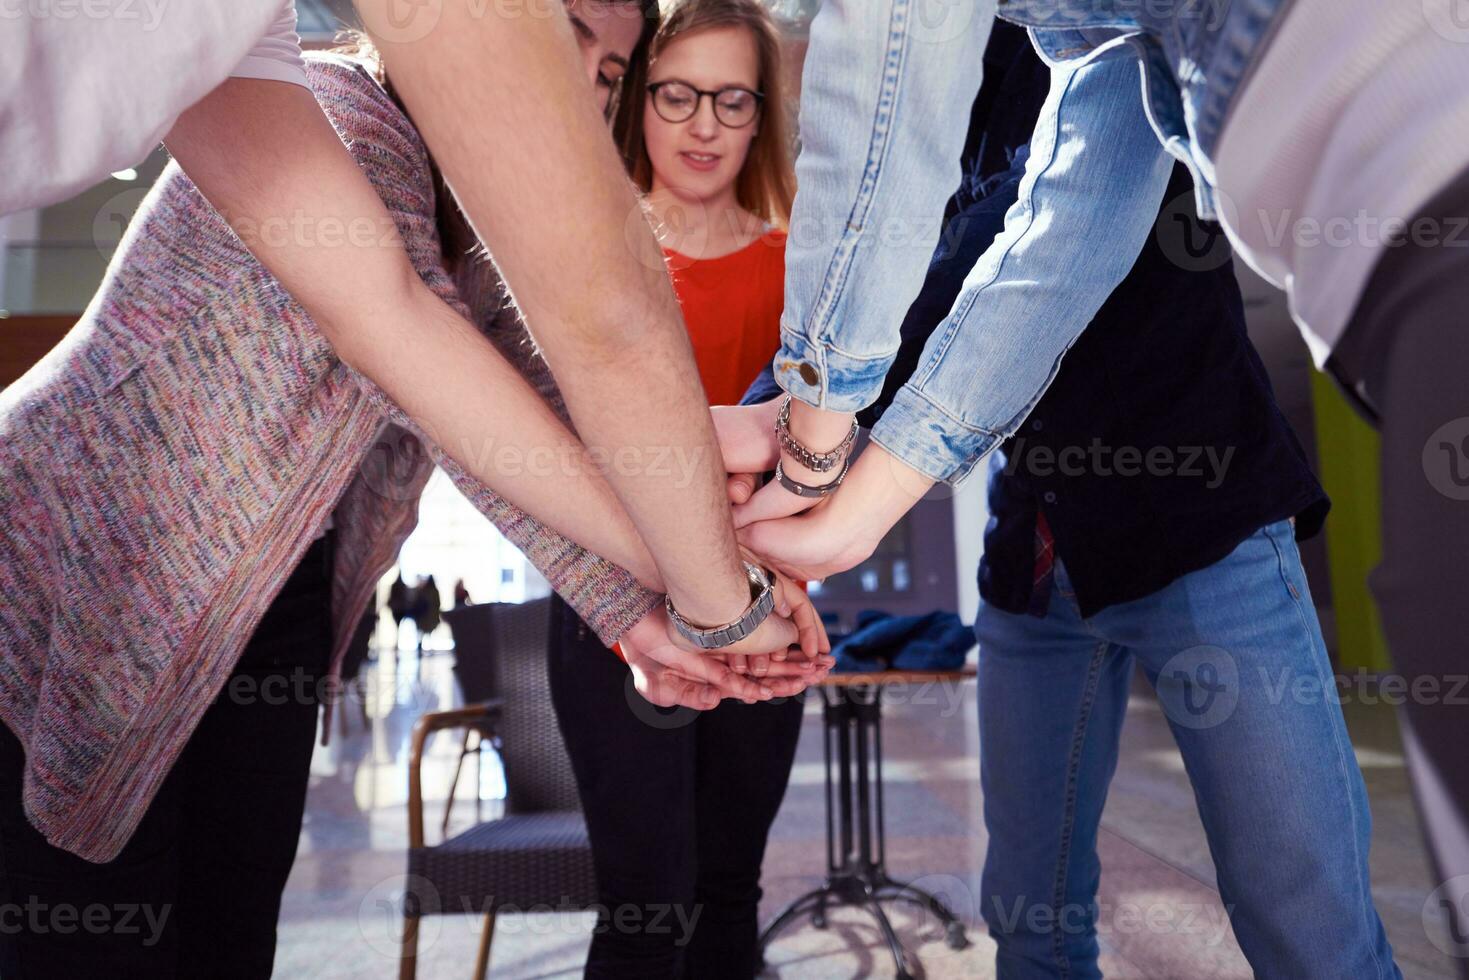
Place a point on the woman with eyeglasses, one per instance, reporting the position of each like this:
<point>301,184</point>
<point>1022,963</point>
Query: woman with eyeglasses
<point>679,805</point>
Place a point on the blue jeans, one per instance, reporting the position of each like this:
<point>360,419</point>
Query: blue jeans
<point>1242,674</point>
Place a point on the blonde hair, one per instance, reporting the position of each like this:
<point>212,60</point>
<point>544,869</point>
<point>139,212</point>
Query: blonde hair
<point>766,183</point>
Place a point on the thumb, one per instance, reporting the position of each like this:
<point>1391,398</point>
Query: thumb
<point>741,487</point>
<point>784,635</point>
<point>771,502</point>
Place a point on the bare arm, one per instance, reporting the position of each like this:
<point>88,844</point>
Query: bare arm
<point>502,102</point>
<point>308,213</point>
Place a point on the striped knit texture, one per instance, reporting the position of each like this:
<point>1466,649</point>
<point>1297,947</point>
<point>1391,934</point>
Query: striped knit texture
<point>165,467</point>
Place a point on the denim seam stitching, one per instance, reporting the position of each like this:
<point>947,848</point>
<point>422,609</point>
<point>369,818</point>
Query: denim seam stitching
<point>887,98</point>
<point>828,347</point>
<point>955,321</point>
<point>941,410</point>
<point>1364,897</point>
<point>1073,769</point>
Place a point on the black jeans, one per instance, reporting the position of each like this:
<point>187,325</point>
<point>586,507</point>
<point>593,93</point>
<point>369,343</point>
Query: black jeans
<point>678,805</point>
<point>1406,353</point>
<point>197,889</point>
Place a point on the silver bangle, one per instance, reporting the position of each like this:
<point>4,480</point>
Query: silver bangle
<point>806,490</point>
<point>813,461</point>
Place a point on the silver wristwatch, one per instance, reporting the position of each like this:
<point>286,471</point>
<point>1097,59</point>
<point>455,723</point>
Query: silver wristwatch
<point>762,601</point>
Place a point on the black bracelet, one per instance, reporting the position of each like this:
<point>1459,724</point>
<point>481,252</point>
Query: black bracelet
<point>804,490</point>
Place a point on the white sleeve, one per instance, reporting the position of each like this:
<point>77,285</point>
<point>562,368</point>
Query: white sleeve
<point>84,96</point>
<point>276,57</point>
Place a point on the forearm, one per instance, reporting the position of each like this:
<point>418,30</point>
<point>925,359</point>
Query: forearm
<point>370,301</point>
<point>668,471</point>
<point>496,431</point>
<point>613,337</point>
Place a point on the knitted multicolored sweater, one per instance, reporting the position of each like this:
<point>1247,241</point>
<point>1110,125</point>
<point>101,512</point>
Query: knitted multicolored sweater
<point>166,466</point>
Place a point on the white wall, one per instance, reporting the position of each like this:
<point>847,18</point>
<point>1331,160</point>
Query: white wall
<point>971,513</point>
<point>17,230</point>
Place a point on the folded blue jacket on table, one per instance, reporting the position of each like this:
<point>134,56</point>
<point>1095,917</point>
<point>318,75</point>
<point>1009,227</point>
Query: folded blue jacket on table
<point>935,641</point>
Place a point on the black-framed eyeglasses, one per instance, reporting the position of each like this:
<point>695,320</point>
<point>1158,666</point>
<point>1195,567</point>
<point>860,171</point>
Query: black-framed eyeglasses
<point>676,102</point>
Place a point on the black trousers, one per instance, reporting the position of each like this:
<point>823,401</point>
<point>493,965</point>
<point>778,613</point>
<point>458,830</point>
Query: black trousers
<point>678,805</point>
<point>1406,353</point>
<point>196,891</point>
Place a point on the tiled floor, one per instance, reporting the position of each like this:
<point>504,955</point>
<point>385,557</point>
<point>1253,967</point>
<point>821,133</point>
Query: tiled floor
<point>1162,914</point>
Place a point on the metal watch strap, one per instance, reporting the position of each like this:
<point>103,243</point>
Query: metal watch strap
<point>806,490</point>
<point>813,461</point>
<point>762,602</point>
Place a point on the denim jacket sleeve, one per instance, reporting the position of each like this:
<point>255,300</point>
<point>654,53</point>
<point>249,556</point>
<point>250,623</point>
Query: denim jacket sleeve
<point>1090,196</point>
<point>1091,192</point>
<point>886,95</point>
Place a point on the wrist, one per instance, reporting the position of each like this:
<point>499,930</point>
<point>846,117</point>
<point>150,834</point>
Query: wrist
<point>715,604</point>
<point>815,445</point>
<point>878,491</point>
<point>646,632</point>
<point>817,428</point>
<point>645,569</point>
<point>715,636</point>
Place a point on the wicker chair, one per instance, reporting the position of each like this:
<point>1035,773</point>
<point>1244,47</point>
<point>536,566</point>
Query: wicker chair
<point>477,670</point>
<point>538,853</point>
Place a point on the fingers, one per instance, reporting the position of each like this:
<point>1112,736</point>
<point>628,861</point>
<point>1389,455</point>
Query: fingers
<point>733,685</point>
<point>712,671</point>
<point>688,694</point>
<point>800,610</point>
<point>771,502</point>
<point>797,668</point>
<point>781,586</point>
<point>668,690</point>
<point>809,627</point>
<point>786,687</point>
<point>741,487</point>
<point>783,634</point>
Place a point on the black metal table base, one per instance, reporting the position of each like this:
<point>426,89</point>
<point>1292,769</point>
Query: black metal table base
<point>854,890</point>
<point>855,842</point>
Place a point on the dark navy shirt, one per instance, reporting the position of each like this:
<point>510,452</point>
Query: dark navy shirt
<point>1158,447</point>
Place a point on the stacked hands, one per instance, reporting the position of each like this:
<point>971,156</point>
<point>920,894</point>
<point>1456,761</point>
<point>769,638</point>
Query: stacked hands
<point>811,524</point>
